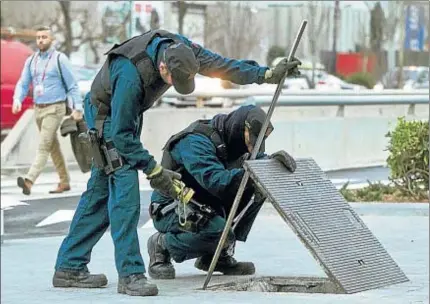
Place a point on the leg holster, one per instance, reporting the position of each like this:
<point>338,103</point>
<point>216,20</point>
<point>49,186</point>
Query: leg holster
<point>193,215</point>
<point>104,153</point>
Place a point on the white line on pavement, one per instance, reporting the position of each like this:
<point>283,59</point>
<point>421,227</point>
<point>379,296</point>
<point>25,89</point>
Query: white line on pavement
<point>57,217</point>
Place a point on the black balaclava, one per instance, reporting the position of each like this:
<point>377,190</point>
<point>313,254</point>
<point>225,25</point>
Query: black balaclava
<point>254,122</point>
<point>231,127</point>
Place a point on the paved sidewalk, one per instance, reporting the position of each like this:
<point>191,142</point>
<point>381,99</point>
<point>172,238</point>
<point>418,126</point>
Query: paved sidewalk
<point>27,266</point>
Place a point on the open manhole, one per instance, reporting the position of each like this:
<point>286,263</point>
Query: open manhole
<point>280,284</point>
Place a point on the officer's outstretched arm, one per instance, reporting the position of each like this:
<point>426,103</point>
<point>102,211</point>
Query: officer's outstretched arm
<point>236,71</point>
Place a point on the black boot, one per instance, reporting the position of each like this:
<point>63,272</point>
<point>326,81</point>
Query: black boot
<point>80,279</point>
<point>160,266</point>
<point>136,285</point>
<point>227,264</point>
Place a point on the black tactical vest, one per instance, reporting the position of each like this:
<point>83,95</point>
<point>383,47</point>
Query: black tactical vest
<point>201,126</point>
<point>202,195</point>
<point>135,50</point>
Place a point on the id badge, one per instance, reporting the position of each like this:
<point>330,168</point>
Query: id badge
<point>38,90</point>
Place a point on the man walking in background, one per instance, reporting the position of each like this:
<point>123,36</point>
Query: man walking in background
<point>55,90</point>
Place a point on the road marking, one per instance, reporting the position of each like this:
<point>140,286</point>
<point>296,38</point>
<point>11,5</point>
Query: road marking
<point>57,217</point>
<point>9,202</point>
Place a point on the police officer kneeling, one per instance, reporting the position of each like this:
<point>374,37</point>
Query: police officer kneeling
<point>209,155</point>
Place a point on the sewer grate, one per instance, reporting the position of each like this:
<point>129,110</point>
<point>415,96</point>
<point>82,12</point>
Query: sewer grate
<point>327,225</point>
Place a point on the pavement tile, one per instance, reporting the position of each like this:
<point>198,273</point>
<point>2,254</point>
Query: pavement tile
<point>27,267</point>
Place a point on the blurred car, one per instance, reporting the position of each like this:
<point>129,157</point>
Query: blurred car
<point>410,74</point>
<point>322,79</point>
<point>422,82</point>
<point>331,82</point>
<point>13,57</point>
<point>203,83</point>
<point>325,81</point>
<point>302,82</point>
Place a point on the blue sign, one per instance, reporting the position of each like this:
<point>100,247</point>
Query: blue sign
<point>414,27</point>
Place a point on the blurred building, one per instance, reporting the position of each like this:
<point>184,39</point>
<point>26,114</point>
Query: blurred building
<point>239,28</point>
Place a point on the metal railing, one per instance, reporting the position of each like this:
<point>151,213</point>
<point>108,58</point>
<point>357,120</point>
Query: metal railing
<point>313,98</point>
<point>266,91</point>
<point>340,100</point>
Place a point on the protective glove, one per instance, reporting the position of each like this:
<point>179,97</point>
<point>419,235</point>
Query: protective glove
<point>238,163</point>
<point>286,159</point>
<point>275,75</point>
<point>162,180</point>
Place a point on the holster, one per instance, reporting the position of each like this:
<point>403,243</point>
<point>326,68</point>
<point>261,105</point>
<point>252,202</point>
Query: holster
<point>104,153</point>
<point>112,157</point>
<point>194,216</point>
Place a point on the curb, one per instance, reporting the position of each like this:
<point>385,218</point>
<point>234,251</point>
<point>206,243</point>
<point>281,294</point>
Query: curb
<point>23,169</point>
<point>377,209</point>
<point>391,209</point>
<point>72,166</point>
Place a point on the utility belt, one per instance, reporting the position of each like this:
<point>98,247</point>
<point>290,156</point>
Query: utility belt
<point>104,153</point>
<point>192,216</point>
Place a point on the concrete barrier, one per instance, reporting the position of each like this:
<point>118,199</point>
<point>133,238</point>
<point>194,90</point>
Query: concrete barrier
<point>356,138</point>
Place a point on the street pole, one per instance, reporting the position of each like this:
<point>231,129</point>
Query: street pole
<point>391,52</point>
<point>402,43</point>
<point>130,24</point>
<point>335,26</point>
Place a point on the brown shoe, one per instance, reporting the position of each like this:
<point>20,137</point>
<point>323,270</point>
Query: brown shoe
<point>60,188</point>
<point>25,184</point>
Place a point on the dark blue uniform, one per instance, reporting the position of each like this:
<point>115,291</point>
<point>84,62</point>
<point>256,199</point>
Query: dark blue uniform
<point>215,184</point>
<point>114,200</point>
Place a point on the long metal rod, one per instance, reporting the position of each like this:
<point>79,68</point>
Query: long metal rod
<point>271,109</point>
<point>253,155</point>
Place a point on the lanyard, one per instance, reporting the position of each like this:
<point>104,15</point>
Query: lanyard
<point>44,71</point>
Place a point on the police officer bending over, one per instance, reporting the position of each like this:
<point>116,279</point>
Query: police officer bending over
<point>135,74</point>
<point>209,155</point>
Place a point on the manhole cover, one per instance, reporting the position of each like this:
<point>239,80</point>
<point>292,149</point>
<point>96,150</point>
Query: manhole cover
<point>280,284</point>
<point>327,225</point>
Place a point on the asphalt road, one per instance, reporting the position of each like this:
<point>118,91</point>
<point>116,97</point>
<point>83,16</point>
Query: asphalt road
<point>51,216</point>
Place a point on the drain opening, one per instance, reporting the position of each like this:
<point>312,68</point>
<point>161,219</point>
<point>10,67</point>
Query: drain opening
<point>280,284</point>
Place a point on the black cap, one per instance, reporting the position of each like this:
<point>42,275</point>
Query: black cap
<point>254,121</point>
<point>183,66</point>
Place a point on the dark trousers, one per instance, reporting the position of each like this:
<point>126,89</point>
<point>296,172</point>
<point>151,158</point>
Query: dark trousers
<point>109,200</point>
<point>184,245</point>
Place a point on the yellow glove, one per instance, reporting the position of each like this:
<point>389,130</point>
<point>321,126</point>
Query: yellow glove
<point>162,180</point>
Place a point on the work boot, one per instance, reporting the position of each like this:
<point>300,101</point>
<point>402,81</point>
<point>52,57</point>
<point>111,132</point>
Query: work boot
<point>227,265</point>
<point>25,184</point>
<point>80,279</point>
<point>160,265</point>
<point>60,189</point>
<point>137,285</point>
